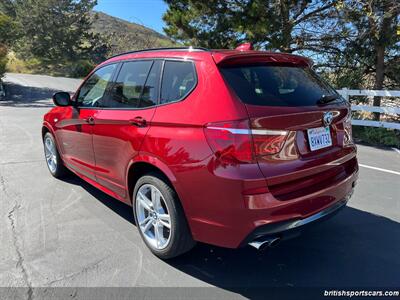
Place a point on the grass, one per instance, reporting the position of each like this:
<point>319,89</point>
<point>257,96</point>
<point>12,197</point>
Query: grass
<point>17,65</point>
<point>76,69</point>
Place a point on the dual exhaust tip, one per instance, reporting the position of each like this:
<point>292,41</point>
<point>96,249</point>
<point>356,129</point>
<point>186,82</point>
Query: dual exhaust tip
<point>264,243</point>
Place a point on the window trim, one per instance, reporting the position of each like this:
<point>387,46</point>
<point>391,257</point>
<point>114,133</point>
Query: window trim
<point>113,82</point>
<point>76,95</point>
<point>339,100</point>
<point>188,93</point>
<point>158,104</point>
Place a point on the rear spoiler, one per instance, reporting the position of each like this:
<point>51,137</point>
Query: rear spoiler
<point>253,57</point>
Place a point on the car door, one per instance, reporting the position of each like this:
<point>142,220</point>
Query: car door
<point>121,125</point>
<point>75,130</point>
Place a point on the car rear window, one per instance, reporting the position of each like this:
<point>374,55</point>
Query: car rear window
<point>276,85</point>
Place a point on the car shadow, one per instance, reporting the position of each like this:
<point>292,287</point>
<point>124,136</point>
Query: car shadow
<point>120,208</point>
<point>26,96</point>
<point>353,249</point>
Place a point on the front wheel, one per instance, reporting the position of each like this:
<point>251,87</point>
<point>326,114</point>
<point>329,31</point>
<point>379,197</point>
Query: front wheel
<point>53,159</point>
<point>160,218</point>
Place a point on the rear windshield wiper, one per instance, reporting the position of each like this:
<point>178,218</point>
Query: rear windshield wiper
<point>327,98</point>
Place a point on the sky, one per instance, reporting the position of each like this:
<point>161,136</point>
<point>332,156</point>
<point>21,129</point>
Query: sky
<point>145,12</point>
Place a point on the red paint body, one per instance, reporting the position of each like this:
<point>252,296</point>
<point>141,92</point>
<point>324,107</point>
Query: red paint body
<point>223,202</point>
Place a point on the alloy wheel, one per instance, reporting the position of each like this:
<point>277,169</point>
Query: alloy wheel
<point>153,217</point>
<point>50,152</point>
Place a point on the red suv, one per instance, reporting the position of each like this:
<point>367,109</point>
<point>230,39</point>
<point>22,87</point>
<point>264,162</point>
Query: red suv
<point>226,147</point>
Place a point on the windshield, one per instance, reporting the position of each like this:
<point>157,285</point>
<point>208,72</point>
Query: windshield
<point>277,85</point>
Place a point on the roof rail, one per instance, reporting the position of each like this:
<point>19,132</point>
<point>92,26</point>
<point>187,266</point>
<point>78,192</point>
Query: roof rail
<point>161,49</point>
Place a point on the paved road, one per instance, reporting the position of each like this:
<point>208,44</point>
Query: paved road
<point>66,233</point>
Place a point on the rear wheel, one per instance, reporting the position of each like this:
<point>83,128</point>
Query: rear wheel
<point>53,159</point>
<point>160,218</point>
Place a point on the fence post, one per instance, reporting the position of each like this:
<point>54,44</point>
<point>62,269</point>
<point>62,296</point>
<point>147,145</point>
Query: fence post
<point>345,94</point>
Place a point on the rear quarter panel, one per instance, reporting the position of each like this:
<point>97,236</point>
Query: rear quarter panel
<point>176,138</point>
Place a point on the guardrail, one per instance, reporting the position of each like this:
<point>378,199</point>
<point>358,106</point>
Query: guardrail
<point>381,109</point>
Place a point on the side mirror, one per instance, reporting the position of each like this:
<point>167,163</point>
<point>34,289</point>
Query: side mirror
<point>62,99</point>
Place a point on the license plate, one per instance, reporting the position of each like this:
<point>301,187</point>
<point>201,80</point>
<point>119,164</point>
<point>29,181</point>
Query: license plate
<point>319,138</point>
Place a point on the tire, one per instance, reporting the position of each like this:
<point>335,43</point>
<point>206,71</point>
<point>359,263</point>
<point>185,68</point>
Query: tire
<point>179,238</point>
<point>56,168</point>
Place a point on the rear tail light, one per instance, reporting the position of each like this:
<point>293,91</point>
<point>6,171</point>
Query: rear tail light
<point>235,141</point>
<point>348,132</point>
<point>230,141</point>
<point>268,141</point>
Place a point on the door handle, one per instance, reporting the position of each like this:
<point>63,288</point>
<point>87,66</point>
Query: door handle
<point>138,121</point>
<point>90,120</point>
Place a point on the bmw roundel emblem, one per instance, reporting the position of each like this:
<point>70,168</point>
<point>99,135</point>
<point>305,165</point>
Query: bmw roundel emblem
<point>327,118</point>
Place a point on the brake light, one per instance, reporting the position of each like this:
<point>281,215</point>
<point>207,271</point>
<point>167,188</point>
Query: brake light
<point>268,142</point>
<point>235,141</point>
<point>230,141</point>
<point>245,47</point>
<point>348,132</point>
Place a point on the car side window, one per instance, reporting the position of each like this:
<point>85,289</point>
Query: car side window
<point>92,91</point>
<point>179,79</point>
<point>130,87</point>
<point>150,91</point>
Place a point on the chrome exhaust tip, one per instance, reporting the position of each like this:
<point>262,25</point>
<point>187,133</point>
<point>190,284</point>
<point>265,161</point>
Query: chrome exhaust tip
<point>263,244</point>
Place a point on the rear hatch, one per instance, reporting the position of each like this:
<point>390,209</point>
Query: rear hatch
<point>300,126</point>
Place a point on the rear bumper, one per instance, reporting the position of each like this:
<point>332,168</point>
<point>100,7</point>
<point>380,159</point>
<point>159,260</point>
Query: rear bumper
<point>291,228</point>
<point>221,215</point>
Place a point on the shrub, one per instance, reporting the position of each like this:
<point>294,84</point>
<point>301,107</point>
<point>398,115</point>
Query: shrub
<point>17,65</point>
<point>76,69</point>
<point>80,69</point>
<point>377,136</point>
<point>3,60</point>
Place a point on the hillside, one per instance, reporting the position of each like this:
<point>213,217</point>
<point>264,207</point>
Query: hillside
<point>121,35</point>
<point>125,36</point>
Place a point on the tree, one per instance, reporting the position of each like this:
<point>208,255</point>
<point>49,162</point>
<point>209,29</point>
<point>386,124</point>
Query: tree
<point>6,36</point>
<point>355,43</point>
<point>371,43</point>
<point>7,7</point>
<point>57,30</point>
<point>120,42</point>
<point>285,25</point>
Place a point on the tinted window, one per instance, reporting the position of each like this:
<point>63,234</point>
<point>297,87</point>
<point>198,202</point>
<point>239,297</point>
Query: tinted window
<point>178,80</point>
<point>150,91</point>
<point>129,85</point>
<point>276,85</point>
<point>92,91</point>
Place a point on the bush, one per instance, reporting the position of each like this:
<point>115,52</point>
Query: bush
<point>377,136</point>
<point>3,60</point>
<point>17,65</point>
<point>80,69</point>
<point>77,69</point>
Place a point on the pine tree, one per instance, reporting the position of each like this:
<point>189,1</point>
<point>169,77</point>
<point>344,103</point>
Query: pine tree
<point>285,25</point>
<point>7,29</point>
<point>56,30</point>
<point>371,43</point>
